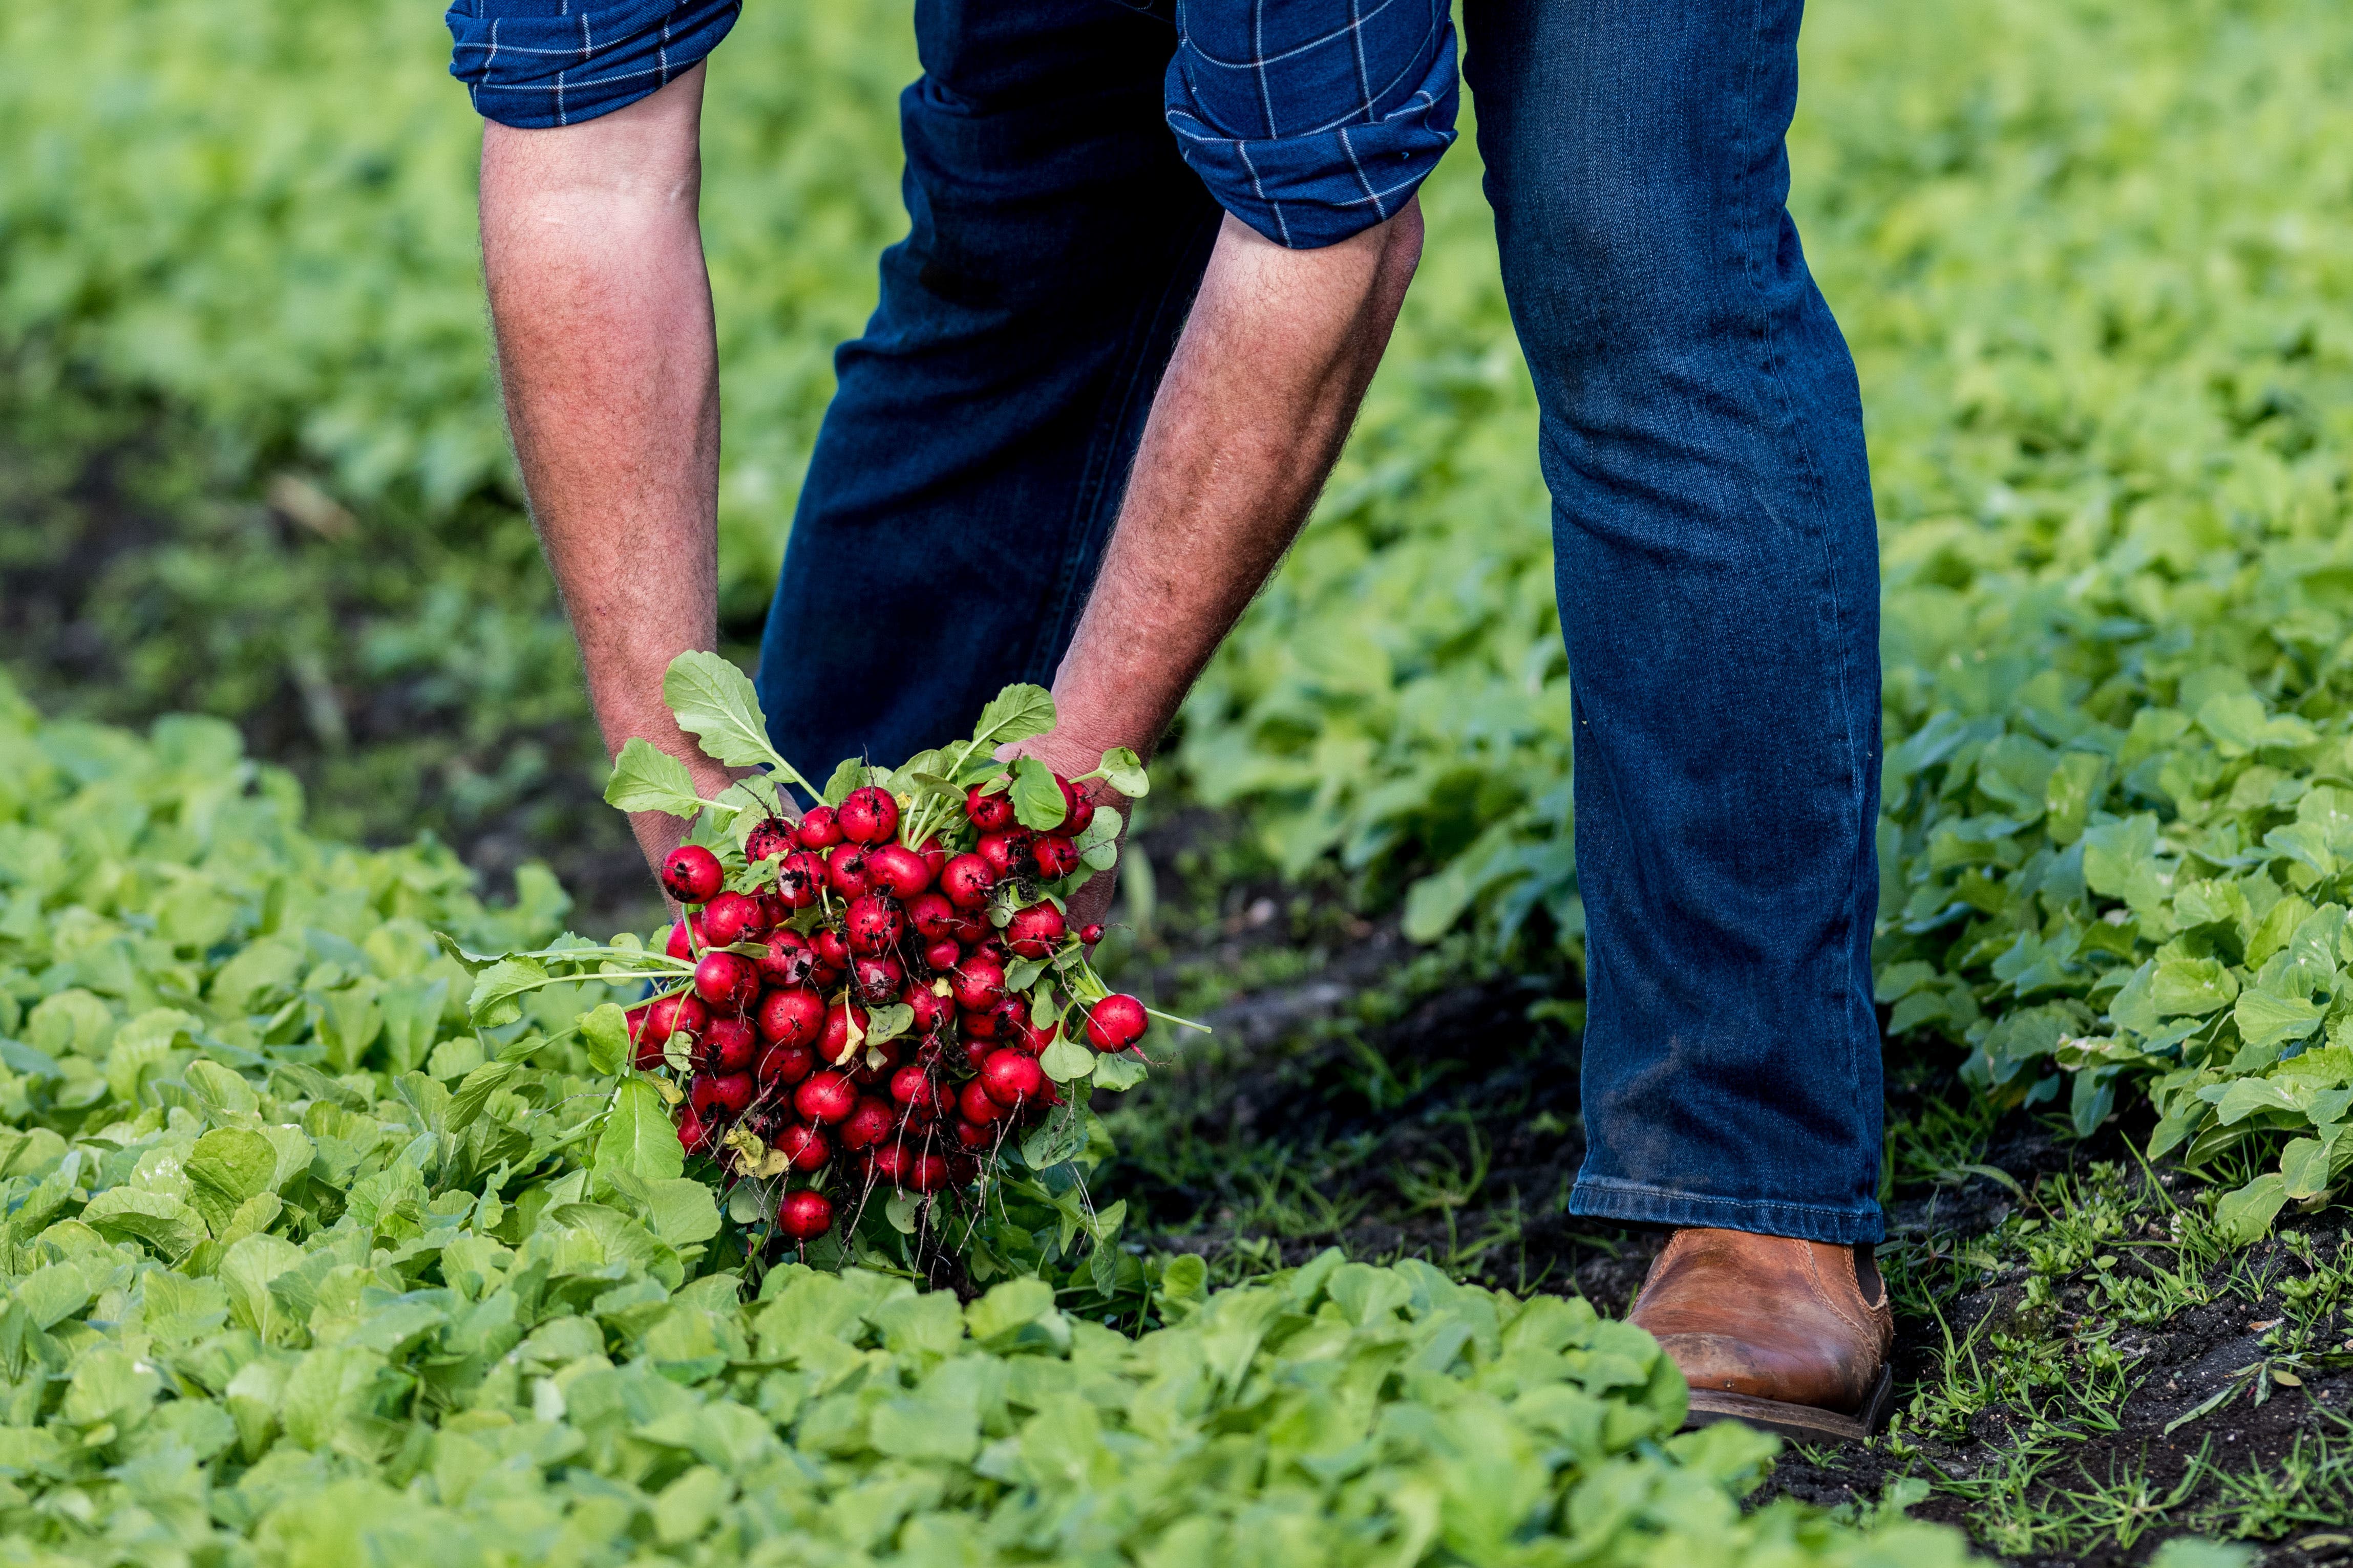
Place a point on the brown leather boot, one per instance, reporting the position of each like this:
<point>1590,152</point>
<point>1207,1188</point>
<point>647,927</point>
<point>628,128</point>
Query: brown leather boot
<point>1789,1335</point>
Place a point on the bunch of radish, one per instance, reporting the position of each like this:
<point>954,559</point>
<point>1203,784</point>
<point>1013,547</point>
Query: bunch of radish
<point>876,994</point>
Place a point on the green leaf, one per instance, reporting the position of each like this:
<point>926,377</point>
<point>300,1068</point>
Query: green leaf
<point>645,778</point>
<point>2304,1168</point>
<point>1015,713</point>
<point>900,1211</point>
<point>493,1002</point>
<point>159,1220</point>
<point>2246,1215</point>
<point>1124,771</point>
<point>850,774</point>
<point>1119,1071</point>
<point>227,1166</point>
<point>1062,1136</point>
<point>1066,1059</point>
<point>716,703</point>
<point>2192,987</point>
<point>680,1209</point>
<point>1098,846</point>
<point>1038,802</point>
<point>474,1092</point>
<point>638,1138</point>
<point>2267,1020</point>
<point>889,1023</point>
<point>607,1031</point>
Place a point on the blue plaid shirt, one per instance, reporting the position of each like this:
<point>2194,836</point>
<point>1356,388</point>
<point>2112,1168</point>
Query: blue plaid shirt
<point>1309,120</point>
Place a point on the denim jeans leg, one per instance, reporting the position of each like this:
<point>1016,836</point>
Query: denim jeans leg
<point>972,461</point>
<point>1717,567</point>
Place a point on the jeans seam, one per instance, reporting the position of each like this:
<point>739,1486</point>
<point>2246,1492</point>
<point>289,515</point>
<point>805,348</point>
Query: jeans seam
<point>1858,793</point>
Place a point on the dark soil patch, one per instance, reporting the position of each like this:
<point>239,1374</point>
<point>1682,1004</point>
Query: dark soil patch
<point>134,584</point>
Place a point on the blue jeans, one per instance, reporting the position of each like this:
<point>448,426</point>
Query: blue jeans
<point>1702,436</point>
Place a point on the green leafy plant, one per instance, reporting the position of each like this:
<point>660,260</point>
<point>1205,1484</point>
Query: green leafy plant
<point>305,1265</point>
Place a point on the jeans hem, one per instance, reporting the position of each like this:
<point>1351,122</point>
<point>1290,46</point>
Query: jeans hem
<point>1603,1197</point>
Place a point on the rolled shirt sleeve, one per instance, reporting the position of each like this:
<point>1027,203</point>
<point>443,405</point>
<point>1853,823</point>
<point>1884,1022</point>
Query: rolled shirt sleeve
<point>1312,119</point>
<point>532,64</point>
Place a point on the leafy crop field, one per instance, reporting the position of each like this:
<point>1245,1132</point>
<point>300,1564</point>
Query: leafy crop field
<point>2096,261</point>
<point>302,1269</point>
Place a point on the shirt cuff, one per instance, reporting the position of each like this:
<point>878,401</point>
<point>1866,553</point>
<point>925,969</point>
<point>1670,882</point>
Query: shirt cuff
<point>1315,136</point>
<point>532,64</point>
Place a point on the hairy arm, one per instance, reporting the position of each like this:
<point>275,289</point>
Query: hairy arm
<point>1267,377</point>
<point>602,310</point>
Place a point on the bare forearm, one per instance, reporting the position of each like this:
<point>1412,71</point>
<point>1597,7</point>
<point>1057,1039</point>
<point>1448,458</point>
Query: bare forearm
<point>1266,381</point>
<point>602,310</point>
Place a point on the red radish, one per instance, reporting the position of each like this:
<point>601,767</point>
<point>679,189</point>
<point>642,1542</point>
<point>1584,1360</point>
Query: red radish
<point>942,955</point>
<point>787,960</point>
<point>878,978</point>
<point>1036,931</point>
<point>933,917</point>
<point>898,869</point>
<point>792,1017</point>
<point>832,949</point>
<point>729,1044</point>
<point>731,918</point>
<point>726,981</point>
<point>845,870</point>
<point>974,1135</point>
<point>680,1014</point>
<point>716,1096</point>
<point>934,857</point>
<point>911,1083</point>
<point>768,839</point>
<point>870,1123</point>
<point>1010,1077</point>
<point>989,948</point>
<point>685,939</point>
<point>989,811</point>
<point>868,816</point>
<point>837,1030</point>
<point>978,982</point>
<point>1029,1038</point>
<point>1078,809</point>
<point>805,1215</point>
<point>817,828</point>
<point>1007,852</point>
<point>799,877</point>
<point>775,910</point>
<point>927,1172</point>
<point>827,1096</point>
<point>1055,855</point>
<point>876,923</point>
<point>1091,934</point>
<point>967,880</point>
<point>1011,1015</point>
<point>889,1162</point>
<point>692,1135</point>
<point>974,1103</point>
<point>690,873</point>
<point>932,1011</point>
<point>977,1025</point>
<point>962,1170</point>
<point>783,1065</point>
<point>805,1147</point>
<point>920,1114</point>
<point>636,1019</point>
<point>1115,1023</point>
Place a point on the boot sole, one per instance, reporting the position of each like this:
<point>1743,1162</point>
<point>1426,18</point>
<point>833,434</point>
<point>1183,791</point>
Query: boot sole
<point>1805,1423</point>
